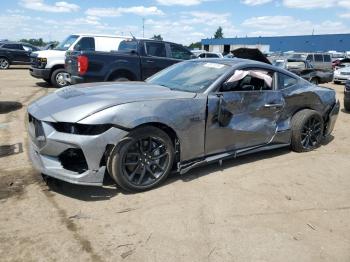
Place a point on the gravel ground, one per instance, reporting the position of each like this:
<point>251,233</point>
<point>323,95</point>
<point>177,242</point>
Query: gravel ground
<point>272,206</point>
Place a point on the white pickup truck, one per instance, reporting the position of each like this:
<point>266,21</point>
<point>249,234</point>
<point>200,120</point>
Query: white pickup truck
<point>49,64</point>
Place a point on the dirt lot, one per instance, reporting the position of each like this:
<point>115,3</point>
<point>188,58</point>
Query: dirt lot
<point>274,206</point>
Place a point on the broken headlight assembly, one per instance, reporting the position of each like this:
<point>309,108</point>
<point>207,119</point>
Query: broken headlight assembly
<point>80,129</point>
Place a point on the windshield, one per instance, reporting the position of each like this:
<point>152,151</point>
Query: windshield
<point>189,76</point>
<point>65,44</point>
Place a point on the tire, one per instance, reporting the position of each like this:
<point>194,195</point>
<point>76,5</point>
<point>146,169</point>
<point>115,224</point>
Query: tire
<point>336,82</point>
<point>307,130</point>
<point>120,79</point>
<point>314,81</point>
<point>138,165</point>
<point>4,63</point>
<point>57,78</point>
<point>347,105</point>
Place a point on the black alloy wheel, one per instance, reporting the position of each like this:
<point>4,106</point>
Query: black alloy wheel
<point>311,133</point>
<point>144,161</point>
<point>307,128</point>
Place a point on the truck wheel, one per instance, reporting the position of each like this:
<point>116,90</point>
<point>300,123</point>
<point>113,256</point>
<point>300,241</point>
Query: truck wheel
<point>58,78</point>
<point>144,161</point>
<point>347,105</point>
<point>307,130</point>
<point>314,81</point>
<point>4,63</point>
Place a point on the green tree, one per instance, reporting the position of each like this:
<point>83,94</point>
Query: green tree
<point>195,45</point>
<point>157,37</point>
<point>219,34</point>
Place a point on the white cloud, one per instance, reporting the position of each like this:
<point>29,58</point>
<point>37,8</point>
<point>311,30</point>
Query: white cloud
<point>311,4</point>
<point>137,10</point>
<point>57,7</point>
<point>288,25</point>
<point>180,2</point>
<point>255,2</point>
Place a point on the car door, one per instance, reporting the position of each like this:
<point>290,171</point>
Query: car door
<point>27,50</point>
<point>155,58</point>
<point>244,112</point>
<point>15,51</point>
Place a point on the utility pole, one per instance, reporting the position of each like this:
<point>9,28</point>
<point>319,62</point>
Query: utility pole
<point>143,27</point>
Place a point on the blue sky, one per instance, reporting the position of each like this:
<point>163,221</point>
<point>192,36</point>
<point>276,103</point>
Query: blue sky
<point>182,21</point>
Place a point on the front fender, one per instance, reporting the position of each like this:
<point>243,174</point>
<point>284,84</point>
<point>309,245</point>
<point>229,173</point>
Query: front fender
<point>185,116</point>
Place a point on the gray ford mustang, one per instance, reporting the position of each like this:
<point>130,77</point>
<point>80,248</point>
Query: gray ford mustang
<point>189,114</point>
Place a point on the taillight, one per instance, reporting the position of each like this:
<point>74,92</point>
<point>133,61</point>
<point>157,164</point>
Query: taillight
<point>83,63</point>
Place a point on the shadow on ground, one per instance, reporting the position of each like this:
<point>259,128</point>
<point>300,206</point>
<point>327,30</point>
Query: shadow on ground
<point>89,193</point>
<point>9,106</point>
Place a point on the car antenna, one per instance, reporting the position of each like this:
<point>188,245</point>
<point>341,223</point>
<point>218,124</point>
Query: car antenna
<point>133,37</point>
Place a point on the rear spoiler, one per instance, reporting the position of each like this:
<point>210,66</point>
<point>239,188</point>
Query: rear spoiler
<point>250,53</point>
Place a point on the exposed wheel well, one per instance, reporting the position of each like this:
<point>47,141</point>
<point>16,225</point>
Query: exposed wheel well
<point>121,73</point>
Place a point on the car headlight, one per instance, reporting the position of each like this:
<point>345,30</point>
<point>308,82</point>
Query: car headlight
<point>42,61</point>
<point>80,129</point>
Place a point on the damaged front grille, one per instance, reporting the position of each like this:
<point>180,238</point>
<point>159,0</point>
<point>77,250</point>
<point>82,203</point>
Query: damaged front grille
<point>73,159</point>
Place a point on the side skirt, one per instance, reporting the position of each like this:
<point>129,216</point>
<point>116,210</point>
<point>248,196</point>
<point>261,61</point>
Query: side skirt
<point>185,167</point>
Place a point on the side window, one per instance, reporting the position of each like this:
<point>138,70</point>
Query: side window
<point>202,55</point>
<point>13,46</point>
<point>249,80</point>
<point>155,49</point>
<point>327,58</point>
<point>85,44</point>
<point>285,81</point>
<point>318,58</point>
<point>209,55</point>
<point>178,52</point>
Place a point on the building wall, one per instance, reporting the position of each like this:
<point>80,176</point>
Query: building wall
<point>308,43</point>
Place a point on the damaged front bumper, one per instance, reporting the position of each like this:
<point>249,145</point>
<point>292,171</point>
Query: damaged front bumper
<point>73,158</point>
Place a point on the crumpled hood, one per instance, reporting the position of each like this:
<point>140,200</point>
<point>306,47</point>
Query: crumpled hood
<point>74,103</point>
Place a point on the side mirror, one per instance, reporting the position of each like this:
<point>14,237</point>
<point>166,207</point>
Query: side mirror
<point>224,116</point>
<point>133,51</point>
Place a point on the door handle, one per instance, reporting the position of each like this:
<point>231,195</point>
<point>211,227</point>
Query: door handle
<point>273,105</point>
<point>149,61</point>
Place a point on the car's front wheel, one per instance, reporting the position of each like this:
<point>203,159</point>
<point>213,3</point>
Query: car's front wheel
<point>4,63</point>
<point>307,130</point>
<point>58,78</point>
<point>143,160</point>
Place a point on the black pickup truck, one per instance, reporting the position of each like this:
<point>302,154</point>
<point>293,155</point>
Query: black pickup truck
<point>15,53</point>
<point>135,60</point>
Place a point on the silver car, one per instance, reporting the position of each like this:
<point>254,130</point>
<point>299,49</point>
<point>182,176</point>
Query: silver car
<point>189,114</point>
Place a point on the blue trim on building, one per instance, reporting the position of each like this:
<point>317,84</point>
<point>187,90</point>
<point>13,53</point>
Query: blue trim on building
<point>302,43</point>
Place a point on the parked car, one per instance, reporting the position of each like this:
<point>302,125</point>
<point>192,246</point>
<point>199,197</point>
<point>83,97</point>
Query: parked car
<point>135,60</point>
<point>210,55</point>
<point>347,96</point>
<point>320,61</point>
<point>304,69</point>
<point>49,64</point>
<point>15,53</point>
<point>341,75</point>
<point>192,113</point>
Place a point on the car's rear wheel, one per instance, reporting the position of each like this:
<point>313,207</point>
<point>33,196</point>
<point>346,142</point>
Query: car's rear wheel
<point>347,105</point>
<point>314,81</point>
<point>58,78</point>
<point>143,161</point>
<point>4,63</point>
<point>307,130</point>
